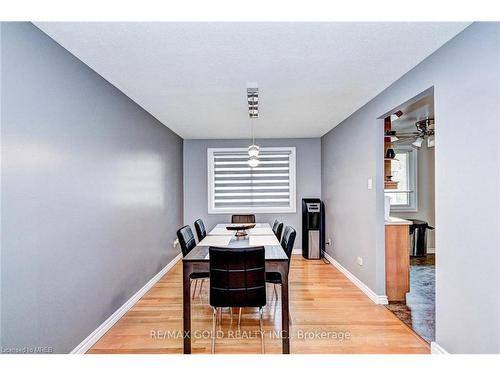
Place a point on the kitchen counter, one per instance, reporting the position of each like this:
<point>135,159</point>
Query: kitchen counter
<point>397,221</point>
<point>397,259</point>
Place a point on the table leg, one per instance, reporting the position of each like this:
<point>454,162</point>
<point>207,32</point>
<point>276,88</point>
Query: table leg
<point>285,313</point>
<point>186,307</point>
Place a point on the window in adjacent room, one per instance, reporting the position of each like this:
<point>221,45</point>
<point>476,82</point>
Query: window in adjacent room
<point>404,170</point>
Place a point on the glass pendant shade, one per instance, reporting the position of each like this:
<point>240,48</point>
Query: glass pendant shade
<point>253,161</point>
<point>418,142</point>
<point>253,150</point>
<point>430,141</point>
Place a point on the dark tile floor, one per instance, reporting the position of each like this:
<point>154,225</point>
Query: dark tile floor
<point>419,312</point>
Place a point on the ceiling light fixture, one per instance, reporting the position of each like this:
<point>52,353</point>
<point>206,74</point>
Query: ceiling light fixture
<point>253,161</point>
<point>418,142</point>
<point>424,131</point>
<point>430,141</point>
<point>253,113</point>
<point>253,150</point>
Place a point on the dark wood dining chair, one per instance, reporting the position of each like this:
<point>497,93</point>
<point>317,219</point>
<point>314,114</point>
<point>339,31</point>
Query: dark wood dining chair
<point>243,219</point>
<point>187,242</point>
<point>277,229</point>
<point>200,229</point>
<point>287,243</point>
<point>237,279</point>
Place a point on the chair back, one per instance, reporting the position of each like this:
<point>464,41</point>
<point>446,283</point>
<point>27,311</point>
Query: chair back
<point>237,277</point>
<point>186,239</point>
<point>243,219</point>
<point>278,229</point>
<point>275,225</point>
<point>288,240</point>
<point>199,227</point>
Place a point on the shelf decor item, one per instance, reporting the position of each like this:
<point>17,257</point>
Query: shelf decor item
<point>390,154</point>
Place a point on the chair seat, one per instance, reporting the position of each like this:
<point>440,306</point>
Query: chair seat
<point>273,277</point>
<point>199,275</point>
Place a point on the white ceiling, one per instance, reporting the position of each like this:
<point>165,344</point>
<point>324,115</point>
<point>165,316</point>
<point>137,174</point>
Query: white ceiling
<point>193,76</point>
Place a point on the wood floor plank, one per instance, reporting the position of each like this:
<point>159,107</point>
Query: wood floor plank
<point>328,314</point>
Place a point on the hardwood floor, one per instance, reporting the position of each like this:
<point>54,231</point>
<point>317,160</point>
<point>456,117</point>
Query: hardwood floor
<point>328,313</point>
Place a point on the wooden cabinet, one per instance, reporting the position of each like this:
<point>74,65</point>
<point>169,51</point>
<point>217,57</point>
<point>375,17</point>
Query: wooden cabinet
<point>397,262</point>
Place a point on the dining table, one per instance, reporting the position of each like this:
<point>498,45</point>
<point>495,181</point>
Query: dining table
<point>276,260</point>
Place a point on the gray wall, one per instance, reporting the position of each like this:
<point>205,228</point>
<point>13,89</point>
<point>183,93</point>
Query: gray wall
<point>91,194</point>
<point>1,241</point>
<point>308,176</point>
<point>465,75</point>
<point>425,188</point>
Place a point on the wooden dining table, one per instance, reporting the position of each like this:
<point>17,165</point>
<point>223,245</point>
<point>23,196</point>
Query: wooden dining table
<point>198,261</point>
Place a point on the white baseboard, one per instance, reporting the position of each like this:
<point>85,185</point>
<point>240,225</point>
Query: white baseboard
<point>87,343</point>
<point>297,251</point>
<point>431,250</point>
<point>378,299</point>
<point>437,349</point>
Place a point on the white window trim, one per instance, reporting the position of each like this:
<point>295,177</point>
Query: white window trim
<point>413,181</point>
<point>235,210</point>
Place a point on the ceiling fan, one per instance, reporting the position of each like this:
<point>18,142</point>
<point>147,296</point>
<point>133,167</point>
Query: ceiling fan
<point>424,131</point>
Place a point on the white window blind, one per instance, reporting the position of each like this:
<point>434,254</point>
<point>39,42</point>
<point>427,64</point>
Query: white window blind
<point>235,187</point>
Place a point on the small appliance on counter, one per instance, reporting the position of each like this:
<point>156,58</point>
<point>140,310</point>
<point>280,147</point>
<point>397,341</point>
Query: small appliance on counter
<point>313,228</point>
<point>418,237</point>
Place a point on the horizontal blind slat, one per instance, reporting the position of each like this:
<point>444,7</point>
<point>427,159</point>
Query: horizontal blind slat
<point>245,162</point>
<point>252,182</point>
<point>253,200</point>
<point>245,169</point>
<point>249,187</point>
<point>222,175</point>
<point>245,156</point>
<point>251,194</point>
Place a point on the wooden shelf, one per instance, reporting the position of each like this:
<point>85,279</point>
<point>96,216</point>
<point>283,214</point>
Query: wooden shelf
<point>390,184</point>
<point>388,161</point>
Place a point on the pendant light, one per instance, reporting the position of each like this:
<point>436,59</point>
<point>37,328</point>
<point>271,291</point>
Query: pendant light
<point>253,112</point>
<point>418,142</point>
<point>253,151</point>
<point>430,141</point>
<point>253,161</point>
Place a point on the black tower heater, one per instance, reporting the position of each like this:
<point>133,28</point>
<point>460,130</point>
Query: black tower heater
<point>313,228</point>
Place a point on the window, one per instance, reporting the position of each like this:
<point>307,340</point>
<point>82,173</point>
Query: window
<point>404,170</point>
<point>235,187</point>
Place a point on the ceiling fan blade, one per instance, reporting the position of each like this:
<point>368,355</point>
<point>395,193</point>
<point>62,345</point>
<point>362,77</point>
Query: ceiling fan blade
<point>407,134</point>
